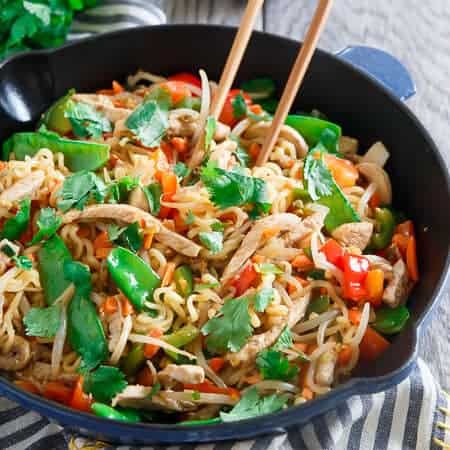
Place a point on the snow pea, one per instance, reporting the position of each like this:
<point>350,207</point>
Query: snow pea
<point>52,256</point>
<point>78,155</point>
<point>55,119</point>
<point>122,414</point>
<point>312,128</point>
<point>391,320</point>
<point>180,338</point>
<point>14,227</point>
<point>134,360</point>
<point>184,281</point>
<point>133,276</point>
<point>384,229</point>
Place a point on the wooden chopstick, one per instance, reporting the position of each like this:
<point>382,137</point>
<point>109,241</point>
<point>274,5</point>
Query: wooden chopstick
<point>235,56</point>
<point>295,78</point>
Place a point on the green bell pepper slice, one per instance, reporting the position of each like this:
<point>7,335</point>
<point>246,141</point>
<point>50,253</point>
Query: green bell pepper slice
<point>122,414</point>
<point>184,281</point>
<point>391,320</point>
<point>52,256</point>
<point>134,360</point>
<point>312,128</point>
<point>54,118</point>
<point>85,331</point>
<point>384,229</point>
<point>14,227</point>
<point>193,423</point>
<point>180,338</point>
<point>78,155</point>
<point>133,276</point>
<point>319,305</point>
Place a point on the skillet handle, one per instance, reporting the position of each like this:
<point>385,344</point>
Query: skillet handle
<point>383,67</point>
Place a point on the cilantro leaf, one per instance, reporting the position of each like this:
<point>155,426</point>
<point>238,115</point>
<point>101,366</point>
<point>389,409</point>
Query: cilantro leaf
<point>86,121</point>
<point>218,226</point>
<point>212,240</point>
<point>323,189</point>
<point>129,237</point>
<point>210,129</point>
<point>114,231</point>
<point>43,322</point>
<point>48,224</point>
<point>284,340</point>
<point>23,262</point>
<point>252,405</point>
<point>119,189</point>
<point>239,106</point>
<point>104,383</point>
<point>273,365</point>
<point>263,298</point>
<point>190,219</point>
<point>259,88</point>
<point>181,170</point>
<point>15,226</point>
<point>149,121</point>
<point>78,188</point>
<point>232,188</point>
<point>243,158</point>
<point>153,193</point>
<point>231,329</point>
<point>161,96</point>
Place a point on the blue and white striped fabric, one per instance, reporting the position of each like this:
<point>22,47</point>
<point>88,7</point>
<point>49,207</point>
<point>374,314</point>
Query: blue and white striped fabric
<point>411,416</point>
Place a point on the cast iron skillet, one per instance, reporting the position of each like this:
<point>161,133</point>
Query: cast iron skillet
<point>364,108</point>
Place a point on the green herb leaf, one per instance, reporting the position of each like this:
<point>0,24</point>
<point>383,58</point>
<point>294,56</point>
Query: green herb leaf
<point>218,226</point>
<point>181,170</point>
<point>155,389</point>
<point>273,365</point>
<point>266,268</point>
<point>323,189</point>
<point>212,240</point>
<point>23,262</point>
<point>119,189</point>
<point>78,189</point>
<point>231,329</point>
<point>210,129</point>
<point>202,286</point>
<point>149,121</point>
<point>86,121</point>
<point>263,298</point>
<point>43,322</point>
<point>239,106</point>
<point>284,340</point>
<point>131,237</point>
<point>48,224</point>
<point>14,227</point>
<point>259,88</point>
<point>114,231</point>
<point>190,219</point>
<point>79,275</point>
<point>104,383</point>
<point>232,188</point>
<point>153,193</point>
<point>316,274</point>
<point>252,405</point>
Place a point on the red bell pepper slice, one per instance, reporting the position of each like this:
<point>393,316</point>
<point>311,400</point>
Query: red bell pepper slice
<point>356,269</point>
<point>334,253</point>
<point>245,279</point>
<point>186,77</point>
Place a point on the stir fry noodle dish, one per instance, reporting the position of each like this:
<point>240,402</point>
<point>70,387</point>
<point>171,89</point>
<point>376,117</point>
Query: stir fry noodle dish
<point>151,271</point>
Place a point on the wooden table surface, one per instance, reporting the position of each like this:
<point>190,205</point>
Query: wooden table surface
<point>416,32</point>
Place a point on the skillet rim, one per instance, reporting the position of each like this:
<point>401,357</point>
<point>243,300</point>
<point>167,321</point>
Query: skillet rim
<point>271,422</point>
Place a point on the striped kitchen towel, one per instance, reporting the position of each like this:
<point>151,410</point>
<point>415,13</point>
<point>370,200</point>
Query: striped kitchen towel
<point>415,415</point>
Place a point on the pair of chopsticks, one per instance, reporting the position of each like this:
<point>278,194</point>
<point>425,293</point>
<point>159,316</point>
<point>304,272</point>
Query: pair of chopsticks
<point>295,78</point>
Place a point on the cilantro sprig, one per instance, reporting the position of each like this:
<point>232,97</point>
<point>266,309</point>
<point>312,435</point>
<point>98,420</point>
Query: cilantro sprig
<point>48,224</point>
<point>86,121</point>
<point>104,383</point>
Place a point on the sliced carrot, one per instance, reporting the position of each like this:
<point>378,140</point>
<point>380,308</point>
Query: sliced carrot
<point>177,90</point>
<point>109,306</point>
<point>302,262</point>
<point>57,391</point>
<point>168,274</point>
<point>254,150</point>
<point>180,224</point>
<point>216,364</point>
<point>27,386</point>
<point>145,377</point>
<point>344,171</point>
<point>256,109</point>
<point>127,307</point>
<point>180,144</point>
<point>401,241</point>
<point>102,253</point>
<point>307,393</point>
<point>80,400</point>
<point>411,259</point>
<point>345,355</point>
<point>405,228</point>
<point>354,315</point>
<point>3,165</point>
<point>269,233</point>
<point>301,346</point>
<point>372,345</point>
<point>374,285</point>
<point>169,185</point>
<point>167,149</point>
<point>311,348</point>
<point>102,240</point>
<point>148,240</point>
<point>150,350</point>
<point>117,87</point>
<point>258,259</point>
<point>302,376</point>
